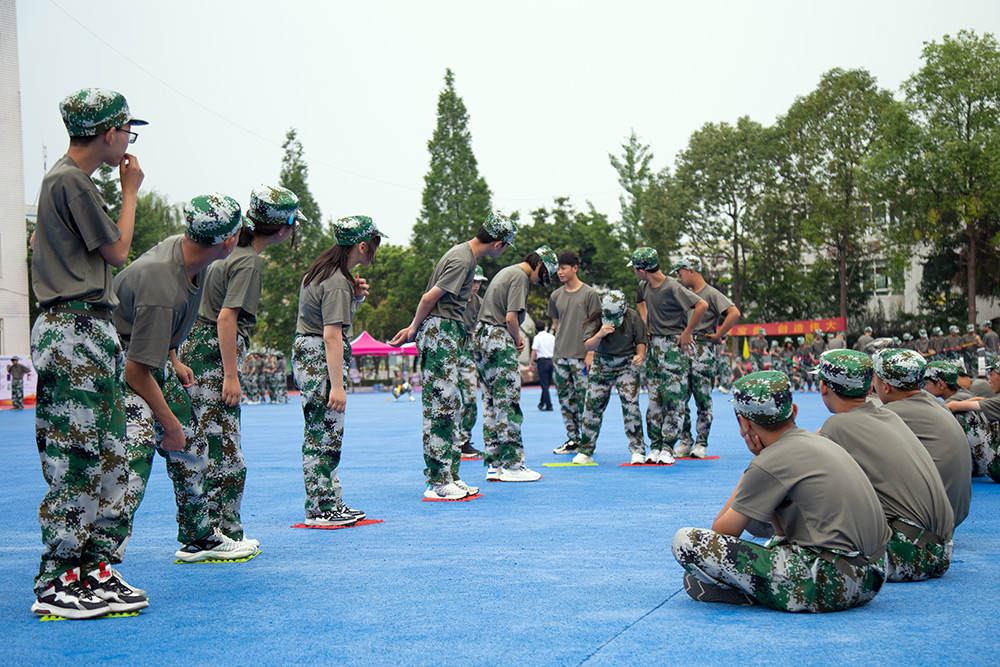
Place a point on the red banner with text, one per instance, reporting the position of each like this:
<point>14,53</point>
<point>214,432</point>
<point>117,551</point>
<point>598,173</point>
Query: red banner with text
<point>798,328</point>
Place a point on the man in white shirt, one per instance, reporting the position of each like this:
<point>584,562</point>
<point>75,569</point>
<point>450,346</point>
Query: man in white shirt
<point>542,348</point>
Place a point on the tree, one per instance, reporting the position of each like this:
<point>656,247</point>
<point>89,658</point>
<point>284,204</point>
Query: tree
<point>155,220</point>
<point>721,181</point>
<point>830,135</point>
<point>456,199</point>
<point>956,99</point>
<point>635,176</point>
<point>286,263</point>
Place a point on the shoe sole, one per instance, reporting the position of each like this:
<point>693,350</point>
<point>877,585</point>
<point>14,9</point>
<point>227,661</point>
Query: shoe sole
<point>230,555</point>
<point>125,607</point>
<point>43,609</point>
<point>330,523</point>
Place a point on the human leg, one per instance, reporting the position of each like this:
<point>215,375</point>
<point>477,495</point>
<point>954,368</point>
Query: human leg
<point>438,341</point>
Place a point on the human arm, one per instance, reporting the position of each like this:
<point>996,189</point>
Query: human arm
<point>227,332</point>
<point>641,309</point>
<point>130,175</point>
<point>970,405</point>
<point>687,337</point>
<point>184,372</point>
<point>514,328</point>
<point>729,521</point>
<point>732,317</point>
<point>140,379</point>
<point>640,355</point>
<point>333,340</point>
<point>427,303</point>
<point>594,341</point>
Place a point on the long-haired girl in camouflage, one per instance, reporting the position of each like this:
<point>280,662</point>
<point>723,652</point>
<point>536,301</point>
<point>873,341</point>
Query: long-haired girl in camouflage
<point>321,357</point>
<point>617,336</point>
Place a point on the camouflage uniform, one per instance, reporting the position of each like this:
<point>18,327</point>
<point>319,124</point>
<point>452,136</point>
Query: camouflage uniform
<point>724,371</point>
<point>439,340</point>
<point>80,432</point>
<point>779,575</point>
<point>468,382</point>
<point>701,379</point>
<point>605,372</point>
<point>496,361</point>
<point>324,427</point>
<point>17,371</point>
<point>282,379</point>
<point>666,371</point>
<point>571,386</point>
<point>918,556</point>
<point>214,454</point>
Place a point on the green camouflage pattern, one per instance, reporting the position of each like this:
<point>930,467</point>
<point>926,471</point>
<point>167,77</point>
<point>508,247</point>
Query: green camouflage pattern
<point>551,262</point>
<point>666,379</point>
<point>496,360</point>
<point>438,342</point>
<point>355,229</point>
<point>17,393</point>
<point>468,382</point>
<point>571,388</point>
<point>900,368</point>
<point>983,436</point>
<point>80,433</point>
<point>91,111</point>
<point>605,373</point>
<point>214,454</point>
<point>779,575</point>
<point>500,227</point>
<point>878,344</point>
<point>480,276</point>
<point>644,259</point>
<point>944,371</point>
<point>910,562</point>
<point>724,371</point>
<point>275,205</point>
<point>212,219</point>
<point>613,306</point>
<point>764,397</point>
<point>700,381</point>
<point>691,262</point>
<point>323,434</point>
<point>144,435</point>
<point>846,372</point>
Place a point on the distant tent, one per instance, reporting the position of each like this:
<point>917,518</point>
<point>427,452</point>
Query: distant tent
<point>366,346</point>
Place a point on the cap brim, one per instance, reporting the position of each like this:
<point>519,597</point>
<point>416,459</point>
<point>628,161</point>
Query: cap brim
<point>136,122</point>
<point>299,217</point>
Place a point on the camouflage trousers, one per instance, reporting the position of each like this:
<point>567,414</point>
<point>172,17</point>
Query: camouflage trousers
<point>700,381</point>
<point>213,458</point>
<point>756,362</point>
<point>468,381</point>
<point>605,372</point>
<point>275,386</point>
<point>666,374</point>
<point>808,379</point>
<point>991,460</point>
<point>571,387</point>
<point>80,433</point>
<point>496,361</point>
<point>323,434</point>
<point>144,435</point>
<point>911,561</point>
<point>781,576</point>
<point>17,393</point>
<point>724,371</point>
<point>438,342</point>
<point>983,437</point>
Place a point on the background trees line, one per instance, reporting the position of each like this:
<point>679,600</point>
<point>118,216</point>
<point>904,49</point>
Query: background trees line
<point>790,219</point>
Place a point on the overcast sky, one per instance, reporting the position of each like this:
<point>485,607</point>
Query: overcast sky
<point>551,87</point>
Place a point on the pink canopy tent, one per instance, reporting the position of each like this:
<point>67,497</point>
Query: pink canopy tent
<point>366,346</point>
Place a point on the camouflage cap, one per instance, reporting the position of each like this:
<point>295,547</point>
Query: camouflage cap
<point>644,259</point>
<point>922,333</point>
<point>900,368</point>
<point>500,227</point>
<point>945,371</point>
<point>953,328</point>
<point>896,341</point>
<point>995,366</point>
<point>801,340</point>
<point>937,331</point>
<point>988,323</point>
<point>688,262</point>
<point>91,111</point>
<point>212,219</point>
<point>613,307</point>
<point>847,372</point>
<point>550,261</point>
<point>868,329</point>
<point>763,398</point>
<point>355,229</point>
<point>970,327</point>
<point>878,344</point>
<point>907,335</point>
<point>15,358</point>
<point>761,331</point>
<point>480,276</point>
<point>788,339</point>
<point>273,205</point>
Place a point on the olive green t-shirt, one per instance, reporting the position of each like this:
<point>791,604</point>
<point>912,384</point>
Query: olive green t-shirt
<point>922,345</point>
<point>158,302</point>
<point>571,309</point>
<point>623,340</point>
<point>718,304</point>
<point>471,314</point>
<point>454,274</point>
<point>234,282</point>
<point>667,306</point>
<point>508,292</point>
<point>820,494</point>
<point>945,441</point>
<point>900,469</point>
<point>991,341</point>
<point>328,302</point>
<point>17,371</point>
<point>73,223</point>
<point>980,387</point>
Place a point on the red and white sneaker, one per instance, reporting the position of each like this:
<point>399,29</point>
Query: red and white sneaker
<point>68,597</point>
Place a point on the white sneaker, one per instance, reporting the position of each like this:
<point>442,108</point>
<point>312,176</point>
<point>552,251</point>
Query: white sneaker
<point>447,491</point>
<point>518,473</point>
<point>638,458</point>
<point>493,473</point>
<point>654,456</point>
<point>698,451</point>
<point>470,490</point>
<point>666,458</point>
<point>215,546</point>
<point>582,459</point>
<point>682,449</point>
<point>250,543</point>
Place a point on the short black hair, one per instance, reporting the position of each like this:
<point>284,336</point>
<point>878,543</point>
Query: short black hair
<point>569,258</point>
<point>484,236</point>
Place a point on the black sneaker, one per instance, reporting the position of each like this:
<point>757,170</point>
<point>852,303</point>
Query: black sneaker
<point>66,596</point>
<point>703,592</point>
<point>568,447</point>
<point>344,509</point>
<point>334,517</point>
<point>468,451</point>
<point>107,584</point>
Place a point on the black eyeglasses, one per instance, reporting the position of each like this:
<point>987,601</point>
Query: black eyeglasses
<point>132,136</point>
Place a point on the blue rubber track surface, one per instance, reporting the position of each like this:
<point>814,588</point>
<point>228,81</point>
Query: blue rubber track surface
<point>573,569</point>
